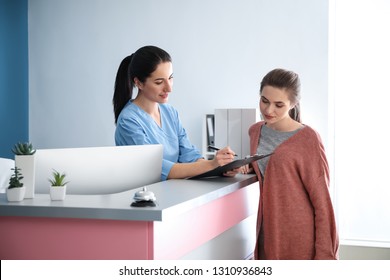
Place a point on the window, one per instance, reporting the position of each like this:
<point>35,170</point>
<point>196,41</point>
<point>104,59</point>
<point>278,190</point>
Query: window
<point>359,76</point>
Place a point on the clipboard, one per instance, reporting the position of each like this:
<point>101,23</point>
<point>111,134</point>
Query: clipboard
<point>230,166</point>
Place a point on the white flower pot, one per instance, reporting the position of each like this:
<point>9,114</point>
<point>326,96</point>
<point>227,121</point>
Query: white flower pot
<point>26,164</point>
<point>57,193</point>
<point>16,194</point>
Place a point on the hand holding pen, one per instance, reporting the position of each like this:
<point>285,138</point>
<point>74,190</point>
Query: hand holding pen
<point>225,156</point>
<point>217,149</point>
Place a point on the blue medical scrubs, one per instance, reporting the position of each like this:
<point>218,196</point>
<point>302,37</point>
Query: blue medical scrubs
<point>136,127</point>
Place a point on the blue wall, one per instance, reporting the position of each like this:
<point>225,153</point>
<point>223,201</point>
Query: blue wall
<point>13,74</point>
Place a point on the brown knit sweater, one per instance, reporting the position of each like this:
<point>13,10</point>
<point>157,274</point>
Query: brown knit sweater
<point>295,208</point>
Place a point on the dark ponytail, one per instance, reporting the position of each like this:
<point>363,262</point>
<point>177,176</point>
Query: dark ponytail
<point>123,91</point>
<point>140,65</point>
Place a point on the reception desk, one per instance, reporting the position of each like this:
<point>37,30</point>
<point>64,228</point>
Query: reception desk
<point>193,219</point>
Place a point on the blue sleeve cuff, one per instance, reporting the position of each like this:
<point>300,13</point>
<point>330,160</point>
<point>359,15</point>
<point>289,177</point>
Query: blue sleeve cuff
<point>166,168</point>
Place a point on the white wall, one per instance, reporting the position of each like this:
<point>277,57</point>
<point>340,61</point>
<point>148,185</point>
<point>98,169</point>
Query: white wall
<point>220,48</point>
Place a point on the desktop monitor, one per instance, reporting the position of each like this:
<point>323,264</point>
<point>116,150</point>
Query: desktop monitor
<point>100,170</point>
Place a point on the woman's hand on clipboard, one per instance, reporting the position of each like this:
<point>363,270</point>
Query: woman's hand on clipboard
<point>232,173</point>
<point>246,169</point>
<point>225,156</point>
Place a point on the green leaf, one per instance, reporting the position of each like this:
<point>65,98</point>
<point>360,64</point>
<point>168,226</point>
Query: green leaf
<point>15,180</point>
<point>58,179</point>
<point>23,149</point>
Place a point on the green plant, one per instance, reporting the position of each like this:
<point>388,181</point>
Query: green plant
<point>25,148</point>
<point>14,181</point>
<point>58,179</point>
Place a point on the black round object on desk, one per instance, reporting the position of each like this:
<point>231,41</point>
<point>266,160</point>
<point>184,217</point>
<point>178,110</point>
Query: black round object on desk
<point>143,203</point>
<point>144,198</point>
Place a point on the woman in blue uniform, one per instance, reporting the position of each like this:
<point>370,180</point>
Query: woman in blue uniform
<point>148,119</point>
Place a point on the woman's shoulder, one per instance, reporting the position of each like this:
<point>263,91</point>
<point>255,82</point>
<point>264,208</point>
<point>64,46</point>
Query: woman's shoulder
<point>308,131</point>
<point>131,110</point>
<point>255,127</point>
<point>310,137</point>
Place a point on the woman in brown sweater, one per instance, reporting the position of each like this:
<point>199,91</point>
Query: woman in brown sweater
<point>295,216</point>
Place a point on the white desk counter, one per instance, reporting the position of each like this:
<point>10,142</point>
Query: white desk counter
<point>190,215</point>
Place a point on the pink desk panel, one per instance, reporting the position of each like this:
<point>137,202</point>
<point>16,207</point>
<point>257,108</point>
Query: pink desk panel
<point>72,238</point>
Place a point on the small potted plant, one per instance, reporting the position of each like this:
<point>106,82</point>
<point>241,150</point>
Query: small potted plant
<point>23,149</point>
<point>16,190</point>
<point>58,185</point>
<point>25,160</point>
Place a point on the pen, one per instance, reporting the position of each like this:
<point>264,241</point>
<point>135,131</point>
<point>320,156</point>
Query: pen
<point>217,149</point>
